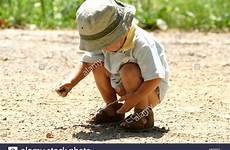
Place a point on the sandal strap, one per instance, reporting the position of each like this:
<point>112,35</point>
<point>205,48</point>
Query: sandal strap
<point>108,115</point>
<point>139,120</point>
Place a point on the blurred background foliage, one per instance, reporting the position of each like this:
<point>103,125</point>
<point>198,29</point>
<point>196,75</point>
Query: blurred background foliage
<point>203,15</point>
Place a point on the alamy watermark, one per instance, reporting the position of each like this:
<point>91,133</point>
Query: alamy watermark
<point>12,148</point>
<point>62,148</point>
<point>96,64</point>
<point>138,116</point>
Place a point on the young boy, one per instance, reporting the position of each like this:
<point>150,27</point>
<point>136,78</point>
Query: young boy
<point>126,61</point>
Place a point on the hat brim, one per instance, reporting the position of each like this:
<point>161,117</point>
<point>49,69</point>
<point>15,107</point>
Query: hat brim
<point>128,12</point>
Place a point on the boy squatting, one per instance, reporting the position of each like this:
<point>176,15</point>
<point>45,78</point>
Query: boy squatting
<point>131,64</point>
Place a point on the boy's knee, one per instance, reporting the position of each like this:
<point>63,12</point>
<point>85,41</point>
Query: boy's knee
<point>131,77</point>
<point>130,70</point>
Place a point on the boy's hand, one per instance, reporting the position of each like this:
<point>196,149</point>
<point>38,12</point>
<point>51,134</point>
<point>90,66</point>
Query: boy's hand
<point>64,89</point>
<point>131,100</point>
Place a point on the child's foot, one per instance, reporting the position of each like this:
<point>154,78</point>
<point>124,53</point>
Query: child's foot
<point>108,115</point>
<point>140,120</point>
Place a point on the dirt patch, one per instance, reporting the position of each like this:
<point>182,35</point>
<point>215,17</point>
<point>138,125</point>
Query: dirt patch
<point>196,109</point>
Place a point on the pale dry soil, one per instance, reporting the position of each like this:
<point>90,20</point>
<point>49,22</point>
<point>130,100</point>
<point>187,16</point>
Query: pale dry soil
<point>32,64</point>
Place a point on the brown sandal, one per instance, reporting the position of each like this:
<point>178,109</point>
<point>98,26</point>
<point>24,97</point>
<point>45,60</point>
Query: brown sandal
<point>141,120</point>
<point>108,115</point>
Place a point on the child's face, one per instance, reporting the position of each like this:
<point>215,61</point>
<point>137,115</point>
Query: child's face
<point>116,45</point>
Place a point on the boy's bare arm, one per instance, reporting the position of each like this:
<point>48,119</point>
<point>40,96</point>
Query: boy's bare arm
<point>82,71</point>
<point>147,87</point>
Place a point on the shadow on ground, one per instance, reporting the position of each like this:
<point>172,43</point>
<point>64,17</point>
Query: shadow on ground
<point>109,132</point>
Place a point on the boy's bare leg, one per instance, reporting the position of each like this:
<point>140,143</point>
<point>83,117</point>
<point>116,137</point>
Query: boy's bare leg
<point>107,115</point>
<point>102,78</point>
<point>153,99</point>
<point>132,79</point>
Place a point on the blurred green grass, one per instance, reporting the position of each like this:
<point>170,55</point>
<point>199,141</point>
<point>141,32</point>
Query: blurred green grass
<point>203,15</point>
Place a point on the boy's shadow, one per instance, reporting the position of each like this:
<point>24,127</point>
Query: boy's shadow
<point>112,131</point>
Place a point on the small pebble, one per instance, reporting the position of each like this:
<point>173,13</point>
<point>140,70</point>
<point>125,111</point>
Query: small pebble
<point>4,59</point>
<point>42,66</point>
<point>49,135</point>
<point>21,121</point>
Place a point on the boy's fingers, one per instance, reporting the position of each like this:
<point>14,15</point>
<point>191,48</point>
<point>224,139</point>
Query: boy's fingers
<point>63,94</point>
<point>125,108</point>
<point>61,91</point>
<point>123,98</point>
<point>122,110</point>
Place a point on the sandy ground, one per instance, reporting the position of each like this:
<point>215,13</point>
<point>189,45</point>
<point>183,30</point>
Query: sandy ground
<point>33,63</point>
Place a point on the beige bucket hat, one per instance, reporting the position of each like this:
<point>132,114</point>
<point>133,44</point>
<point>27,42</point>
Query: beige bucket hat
<point>102,22</point>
